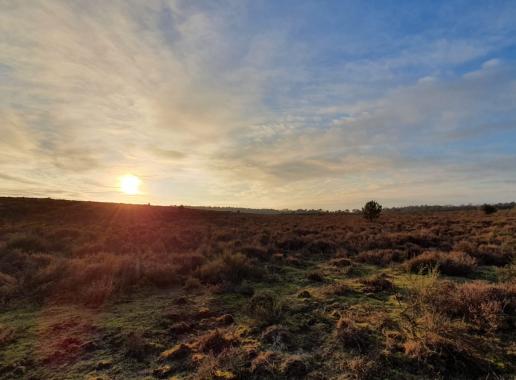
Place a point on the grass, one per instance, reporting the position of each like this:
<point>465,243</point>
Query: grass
<point>253,296</point>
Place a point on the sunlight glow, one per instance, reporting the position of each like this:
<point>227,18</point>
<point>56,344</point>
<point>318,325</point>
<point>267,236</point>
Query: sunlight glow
<point>130,184</point>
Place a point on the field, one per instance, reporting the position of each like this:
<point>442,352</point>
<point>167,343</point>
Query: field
<point>110,291</point>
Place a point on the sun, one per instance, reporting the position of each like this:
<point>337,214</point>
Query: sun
<point>130,184</point>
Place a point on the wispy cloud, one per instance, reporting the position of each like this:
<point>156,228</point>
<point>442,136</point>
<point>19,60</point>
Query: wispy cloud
<point>257,104</point>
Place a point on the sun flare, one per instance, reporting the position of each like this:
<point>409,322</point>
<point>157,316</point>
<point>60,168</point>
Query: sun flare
<point>130,184</point>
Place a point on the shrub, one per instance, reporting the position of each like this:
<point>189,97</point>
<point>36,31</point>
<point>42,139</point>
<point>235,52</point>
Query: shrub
<point>315,276</point>
<point>214,342</point>
<point>8,287</point>
<point>26,243</point>
<point>371,210</point>
<point>337,289</point>
<point>453,263</point>
<point>352,335</point>
<point>377,283</point>
<point>457,264</point>
<point>7,334</point>
<point>291,244</point>
<point>488,254</point>
<point>320,246</point>
<point>266,307</point>
<point>423,263</point>
<point>295,367</point>
<point>229,267</point>
<point>487,306</point>
<point>160,274</point>
<point>255,253</point>
<point>363,368</point>
<point>192,283</point>
<point>430,336</point>
<point>381,257</point>
<point>488,209</point>
<point>507,273</point>
<point>187,263</point>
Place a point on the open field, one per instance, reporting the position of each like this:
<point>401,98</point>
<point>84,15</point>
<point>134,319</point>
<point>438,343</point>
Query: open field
<point>108,291</point>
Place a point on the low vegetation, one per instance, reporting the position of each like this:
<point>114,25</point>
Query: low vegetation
<point>109,291</point>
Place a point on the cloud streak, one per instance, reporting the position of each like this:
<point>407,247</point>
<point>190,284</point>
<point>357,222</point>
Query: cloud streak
<point>256,105</point>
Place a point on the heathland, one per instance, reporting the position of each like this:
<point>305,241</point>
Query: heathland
<point>112,291</point>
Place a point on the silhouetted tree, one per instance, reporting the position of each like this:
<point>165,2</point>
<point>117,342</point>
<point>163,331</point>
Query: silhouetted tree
<point>371,210</point>
<point>488,209</point>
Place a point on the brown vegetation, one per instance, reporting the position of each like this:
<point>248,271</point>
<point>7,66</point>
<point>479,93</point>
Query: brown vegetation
<point>215,295</point>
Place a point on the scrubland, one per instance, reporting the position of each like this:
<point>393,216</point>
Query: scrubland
<point>108,291</point>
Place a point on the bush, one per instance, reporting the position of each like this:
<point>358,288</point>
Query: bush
<point>351,335</point>
<point>26,243</point>
<point>487,306</point>
<point>229,267</point>
<point>487,254</point>
<point>337,289</point>
<point>378,283</point>
<point>371,210</point>
<point>266,307</point>
<point>488,209</point>
<point>315,276</point>
<point>430,336</point>
<point>381,257</point>
<point>8,287</point>
<point>457,264</point>
<point>453,263</point>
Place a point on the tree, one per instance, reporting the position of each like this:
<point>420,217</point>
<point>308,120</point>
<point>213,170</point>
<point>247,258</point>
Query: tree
<point>371,210</point>
<point>488,209</point>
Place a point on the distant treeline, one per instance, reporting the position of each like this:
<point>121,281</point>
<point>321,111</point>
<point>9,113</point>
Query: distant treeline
<point>17,205</point>
<point>420,208</point>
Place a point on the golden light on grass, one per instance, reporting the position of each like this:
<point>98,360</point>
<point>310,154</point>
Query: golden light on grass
<point>130,184</point>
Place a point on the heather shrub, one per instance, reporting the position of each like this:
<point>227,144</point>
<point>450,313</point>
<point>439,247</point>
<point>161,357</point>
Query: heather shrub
<point>26,243</point>
<point>457,264</point>
<point>364,368</point>
<point>291,244</point>
<point>229,267</point>
<point>93,279</point>
<point>452,263</point>
<point>188,262</point>
<point>255,253</point>
<point>337,289</point>
<point>465,246</point>
<point>507,273</point>
<point>315,276</point>
<point>487,306</point>
<point>488,254</point>
<point>429,335</point>
<point>158,273</point>
<point>381,257</point>
<point>351,335</point>
<point>192,283</point>
<point>8,287</point>
<point>377,283</point>
<point>7,334</point>
<point>320,246</point>
<point>266,307</point>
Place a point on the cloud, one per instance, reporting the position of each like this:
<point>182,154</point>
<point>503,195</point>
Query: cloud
<point>250,104</point>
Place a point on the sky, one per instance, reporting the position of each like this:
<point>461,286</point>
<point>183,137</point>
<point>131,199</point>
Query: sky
<point>280,104</point>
